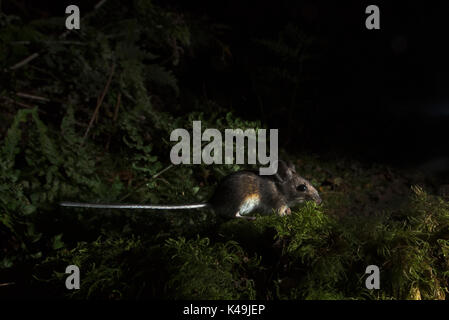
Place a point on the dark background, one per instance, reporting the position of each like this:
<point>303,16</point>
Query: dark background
<point>379,95</point>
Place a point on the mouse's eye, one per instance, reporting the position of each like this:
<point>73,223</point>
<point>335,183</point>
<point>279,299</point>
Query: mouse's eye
<point>301,188</point>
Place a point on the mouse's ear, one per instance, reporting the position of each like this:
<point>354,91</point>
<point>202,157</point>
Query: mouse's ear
<point>285,171</point>
<point>291,166</point>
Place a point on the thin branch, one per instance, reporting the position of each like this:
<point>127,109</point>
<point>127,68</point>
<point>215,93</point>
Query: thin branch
<point>79,43</point>
<point>24,61</point>
<point>162,171</point>
<point>32,96</point>
<point>99,4</point>
<point>100,101</point>
<point>21,104</point>
<point>146,181</point>
<point>18,103</point>
<point>7,284</point>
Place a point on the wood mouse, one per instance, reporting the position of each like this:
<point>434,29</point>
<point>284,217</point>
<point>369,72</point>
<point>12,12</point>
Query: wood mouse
<point>242,193</point>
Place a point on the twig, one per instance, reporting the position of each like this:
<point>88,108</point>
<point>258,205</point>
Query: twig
<point>31,96</point>
<point>24,61</point>
<point>21,104</point>
<point>18,103</point>
<point>99,4</point>
<point>7,284</point>
<point>162,171</point>
<point>100,101</point>
<point>146,181</point>
<point>51,41</point>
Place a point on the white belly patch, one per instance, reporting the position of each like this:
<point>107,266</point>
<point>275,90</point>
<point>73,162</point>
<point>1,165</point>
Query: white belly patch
<point>251,202</point>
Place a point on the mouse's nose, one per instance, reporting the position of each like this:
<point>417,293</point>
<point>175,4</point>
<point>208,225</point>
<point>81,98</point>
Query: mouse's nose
<point>318,200</point>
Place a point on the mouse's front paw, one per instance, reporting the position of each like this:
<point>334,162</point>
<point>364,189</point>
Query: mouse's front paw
<point>284,210</point>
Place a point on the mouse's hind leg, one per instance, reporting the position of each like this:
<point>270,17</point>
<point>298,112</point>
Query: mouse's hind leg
<point>249,204</point>
<point>238,215</point>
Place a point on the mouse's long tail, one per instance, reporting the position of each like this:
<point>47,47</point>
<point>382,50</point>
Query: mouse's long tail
<point>133,206</point>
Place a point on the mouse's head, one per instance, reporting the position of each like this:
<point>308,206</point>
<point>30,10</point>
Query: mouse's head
<point>294,187</point>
